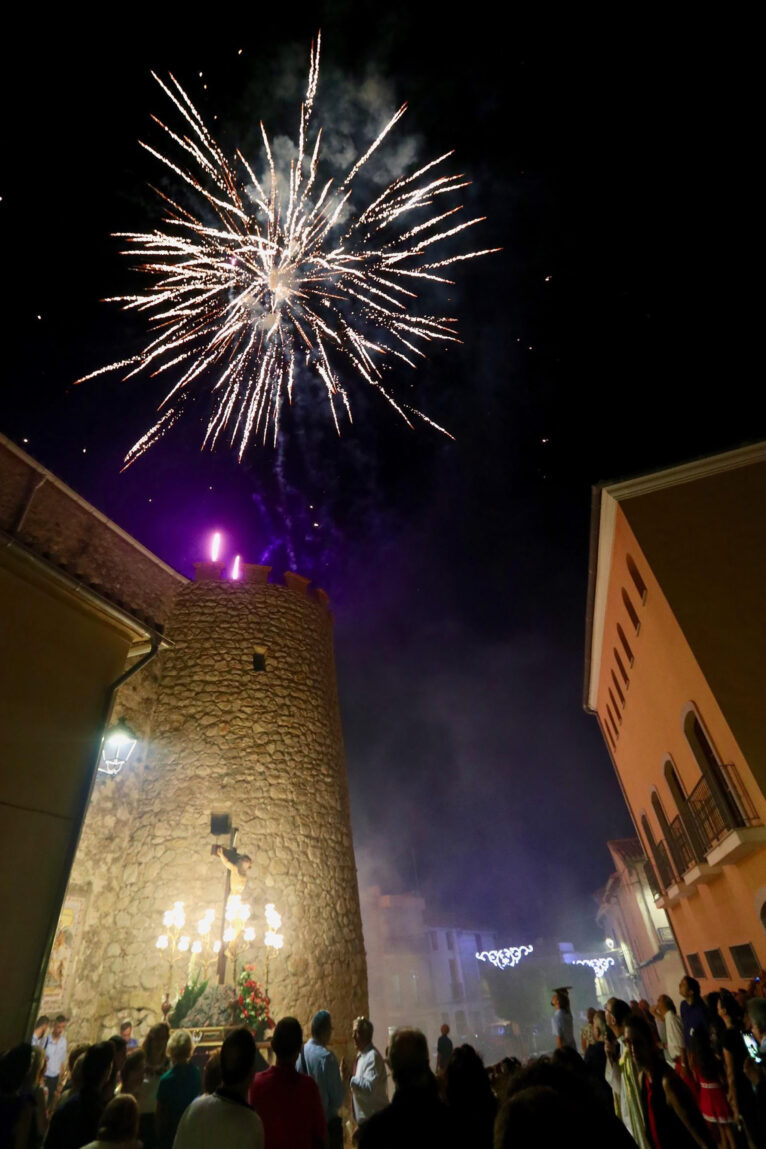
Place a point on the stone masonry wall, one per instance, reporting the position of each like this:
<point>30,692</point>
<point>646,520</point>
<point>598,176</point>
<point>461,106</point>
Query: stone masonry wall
<point>265,746</point>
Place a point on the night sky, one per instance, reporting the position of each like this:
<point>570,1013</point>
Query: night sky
<point>606,339</point>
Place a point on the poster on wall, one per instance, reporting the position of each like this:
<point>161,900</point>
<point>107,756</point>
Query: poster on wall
<point>60,970</point>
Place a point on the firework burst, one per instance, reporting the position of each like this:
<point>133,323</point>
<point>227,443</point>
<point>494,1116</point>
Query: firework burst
<point>264,281</point>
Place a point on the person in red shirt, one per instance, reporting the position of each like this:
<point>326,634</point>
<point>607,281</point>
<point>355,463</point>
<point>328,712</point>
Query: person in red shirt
<point>288,1102</point>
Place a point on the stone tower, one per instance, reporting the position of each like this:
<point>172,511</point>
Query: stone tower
<point>238,714</point>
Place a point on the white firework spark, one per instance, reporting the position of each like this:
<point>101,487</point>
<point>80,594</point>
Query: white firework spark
<point>259,284</point>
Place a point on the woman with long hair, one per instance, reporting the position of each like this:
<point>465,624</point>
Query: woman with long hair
<point>740,1093</point>
<point>712,1097</point>
<point>155,1046</point>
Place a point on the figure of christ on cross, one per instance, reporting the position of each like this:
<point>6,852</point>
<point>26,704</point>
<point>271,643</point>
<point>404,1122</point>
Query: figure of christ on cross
<point>237,866</point>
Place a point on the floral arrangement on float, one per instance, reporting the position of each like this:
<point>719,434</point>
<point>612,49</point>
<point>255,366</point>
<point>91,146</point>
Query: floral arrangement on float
<point>254,1003</point>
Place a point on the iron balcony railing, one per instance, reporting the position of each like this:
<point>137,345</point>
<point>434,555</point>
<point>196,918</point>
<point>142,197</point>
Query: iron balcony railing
<point>664,868</point>
<point>651,877</point>
<point>680,847</point>
<point>714,822</point>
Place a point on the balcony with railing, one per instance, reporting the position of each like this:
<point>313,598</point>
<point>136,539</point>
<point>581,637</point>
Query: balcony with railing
<point>680,848</point>
<point>714,821</point>
<point>664,868</point>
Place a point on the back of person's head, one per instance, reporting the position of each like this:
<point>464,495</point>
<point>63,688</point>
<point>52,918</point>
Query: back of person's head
<point>43,1019</point>
<point>97,1064</point>
<point>619,1009</point>
<point>702,1054</point>
<point>119,1043</point>
<point>119,1121</point>
<point>211,1075</point>
<point>132,1071</point>
<point>364,1027</point>
<point>730,1006</point>
<point>711,1001</point>
<point>466,1081</point>
<point>155,1043</point>
<point>408,1058</point>
<point>180,1046</point>
<point>569,1059</point>
<point>14,1067</point>
<point>536,1116</point>
<point>444,1030</point>
<point>667,1003</point>
<point>321,1025</point>
<point>238,1058</point>
<point>693,986</point>
<point>287,1039</point>
<point>590,1013</point>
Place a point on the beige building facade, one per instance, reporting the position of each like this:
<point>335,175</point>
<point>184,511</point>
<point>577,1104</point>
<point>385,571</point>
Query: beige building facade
<point>675,674</point>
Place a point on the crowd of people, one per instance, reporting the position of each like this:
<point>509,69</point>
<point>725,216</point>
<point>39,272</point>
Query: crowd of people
<point>653,1076</point>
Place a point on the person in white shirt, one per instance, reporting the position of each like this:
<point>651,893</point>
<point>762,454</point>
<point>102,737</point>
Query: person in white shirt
<point>224,1120</point>
<point>368,1082</point>
<point>673,1042</point>
<point>54,1046</point>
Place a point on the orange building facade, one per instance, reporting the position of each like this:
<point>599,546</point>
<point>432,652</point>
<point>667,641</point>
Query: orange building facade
<point>676,676</point>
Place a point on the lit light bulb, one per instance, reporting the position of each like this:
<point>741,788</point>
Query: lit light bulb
<point>204,926</point>
<point>196,947</point>
<point>244,913</point>
<point>184,944</point>
<point>249,934</point>
<point>216,947</point>
<point>162,942</point>
<point>229,934</point>
<point>276,941</point>
<point>273,917</point>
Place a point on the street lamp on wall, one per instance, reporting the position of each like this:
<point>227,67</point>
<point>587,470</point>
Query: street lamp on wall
<point>119,743</point>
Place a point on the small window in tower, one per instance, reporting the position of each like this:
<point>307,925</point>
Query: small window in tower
<point>638,581</point>
<point>259,658</point>
<point>716,964</point>
<point>694,965</point>
<point>605,726</point>
<point>617,687</point>
<point>631,610</point>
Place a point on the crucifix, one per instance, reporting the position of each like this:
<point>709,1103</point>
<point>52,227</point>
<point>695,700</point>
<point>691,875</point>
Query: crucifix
<point>237,866</point>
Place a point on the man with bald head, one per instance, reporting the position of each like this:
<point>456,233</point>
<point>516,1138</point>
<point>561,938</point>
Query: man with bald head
<point>416,1116</point>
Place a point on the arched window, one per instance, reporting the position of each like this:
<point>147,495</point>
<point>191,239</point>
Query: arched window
<point>625,644</point>
<point>725,806</point>
<point>617,687</point>
<point>664,825</point>
<point>623,671</point>
<point>659,856</point>
<point>638,582</point>
<point>691,839</point>
<point>615,707</point>
<point>631,610</point>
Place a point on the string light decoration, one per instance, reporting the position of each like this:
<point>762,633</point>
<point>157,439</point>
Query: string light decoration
<point>598,965</point>
<point>505,958</point>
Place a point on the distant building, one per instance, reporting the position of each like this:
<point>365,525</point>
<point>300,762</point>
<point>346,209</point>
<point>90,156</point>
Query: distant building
<point>638,929</point>
<point>422,974</point>
<point>676,675</point>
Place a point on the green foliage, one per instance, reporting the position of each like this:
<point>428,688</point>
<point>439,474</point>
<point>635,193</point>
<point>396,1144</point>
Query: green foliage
<point>189,997</point>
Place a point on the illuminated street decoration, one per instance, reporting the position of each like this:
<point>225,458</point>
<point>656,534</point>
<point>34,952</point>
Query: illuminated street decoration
<point>505,958</point>
<point>598,965</point>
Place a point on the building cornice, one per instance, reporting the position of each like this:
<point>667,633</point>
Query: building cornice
<point>605,499</point>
